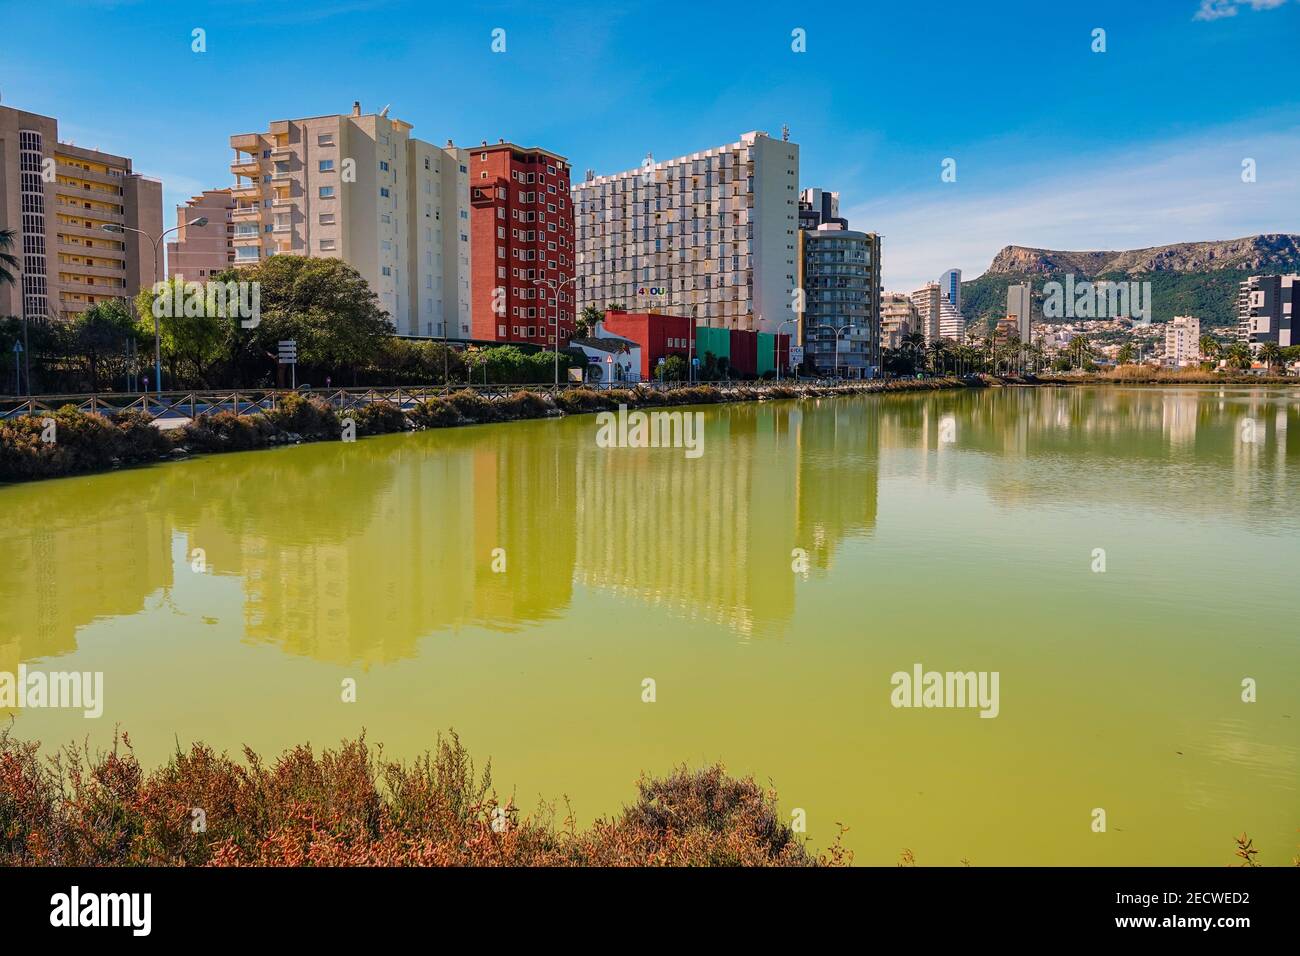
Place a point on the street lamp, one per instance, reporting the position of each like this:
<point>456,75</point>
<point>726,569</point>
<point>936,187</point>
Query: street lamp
<point>157,277</point>
<point>838,333</point>
<point>555,287</point>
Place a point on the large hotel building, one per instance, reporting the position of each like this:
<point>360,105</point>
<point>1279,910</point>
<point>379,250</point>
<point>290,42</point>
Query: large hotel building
<point>57,198</point>
<point>1267,310</point>
<point>522,240</point>
<point>712,234</point>
<point>360,188</point>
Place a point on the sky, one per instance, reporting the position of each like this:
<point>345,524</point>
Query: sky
<point>1054,144</point>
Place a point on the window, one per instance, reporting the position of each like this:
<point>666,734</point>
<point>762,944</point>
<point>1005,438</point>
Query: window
<point>383,191</point>
<point>326,245</point>
<point>327,165</point>
<point>327,219</point>
<point>327,192</point>
<point>385,270</point>
<point>383,166</point>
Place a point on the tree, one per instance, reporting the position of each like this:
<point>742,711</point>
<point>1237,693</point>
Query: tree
<point>1238,356</point>
<point>1209,347</point>
<point>1080,349</point>
<point>325,305</point>
<point>9,263</point>
<point>1270,354</point>
<point>100,332</point>
<point>587,320</point>
<point>674,369</point>
<point>190,344</point>
<point>1126,353</point>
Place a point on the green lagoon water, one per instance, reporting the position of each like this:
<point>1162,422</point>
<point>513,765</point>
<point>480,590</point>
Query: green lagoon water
<point>952,529</point>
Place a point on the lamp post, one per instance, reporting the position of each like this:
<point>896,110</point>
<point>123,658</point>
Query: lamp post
<point>776,344</point>
<point>157,277</point>
<point>555,286</point>
<point>838,333</point>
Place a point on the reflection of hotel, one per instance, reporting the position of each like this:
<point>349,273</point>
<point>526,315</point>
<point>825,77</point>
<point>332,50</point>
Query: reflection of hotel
<point>713,537</point>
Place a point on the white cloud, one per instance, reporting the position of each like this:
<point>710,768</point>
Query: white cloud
<point>1182,191</point>
<point>1218,9</point>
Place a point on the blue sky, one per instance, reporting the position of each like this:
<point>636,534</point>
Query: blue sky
<point>1055,145</point>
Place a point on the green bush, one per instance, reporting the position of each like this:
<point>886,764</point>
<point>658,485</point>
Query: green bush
<point>379,418</point>
<point>226,431</point>
<point>138,438</point>
<point>522,405</point>
<point>577,400</point>
<point>305,415</point>
<point>434,413</point>
<point>473,407</point>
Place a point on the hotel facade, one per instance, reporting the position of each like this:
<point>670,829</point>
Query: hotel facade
<point>712,234</point>
<point>360,188</point>
<point>839,324</point>
<point>521,229</point>
<point>57,198</point>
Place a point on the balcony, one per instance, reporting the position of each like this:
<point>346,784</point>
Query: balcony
<point>88,175</point>
<point>281,175</point>
<point>282,227</point>
<point>246,191</point>
<point>281,152</point>
<point>246,142</point>
<point>280,201</point>
<point>247,238</point>
<point>246,167</point>
<point>246,214</point>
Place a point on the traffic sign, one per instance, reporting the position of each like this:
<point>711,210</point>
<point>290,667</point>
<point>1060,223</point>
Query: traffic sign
<point>796,355</point>
<point>288,352</point>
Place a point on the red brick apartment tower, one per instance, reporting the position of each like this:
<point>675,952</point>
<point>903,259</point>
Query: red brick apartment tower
<point>521,231</point>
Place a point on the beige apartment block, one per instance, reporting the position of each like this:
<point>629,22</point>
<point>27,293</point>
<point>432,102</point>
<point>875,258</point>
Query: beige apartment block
<point>713,234</point>
<point>1183,341</point>
<point>898,319</point>
<point>927,301</point>
<point>359,188</point>
<point>57,198</point>
<point>200,252</point>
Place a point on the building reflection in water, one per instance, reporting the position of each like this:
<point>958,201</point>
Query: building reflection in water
<point>353,553</point>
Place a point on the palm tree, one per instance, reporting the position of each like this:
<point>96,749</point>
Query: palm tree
<point>1270,354</point>
<point>8,260</point>
<point>1126,353</point>
<point>1081,349</point>
<point>938,348</point>
<point>914,342</point>
<point>1210,347</point>
<point>1238,356</point>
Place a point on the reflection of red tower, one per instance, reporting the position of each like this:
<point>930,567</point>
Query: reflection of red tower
<point>521,242</point>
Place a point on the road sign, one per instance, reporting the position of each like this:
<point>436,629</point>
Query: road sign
<point>288,352</point>
<point>18,346</point>
<point>796,355</point>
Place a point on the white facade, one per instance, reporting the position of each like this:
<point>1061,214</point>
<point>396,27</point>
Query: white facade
<point>951,324</point>
<point>1183,341</point>
<point>361,189</point>
<point>713,233</point>
<point>611,359</point>
<point>927,302</point>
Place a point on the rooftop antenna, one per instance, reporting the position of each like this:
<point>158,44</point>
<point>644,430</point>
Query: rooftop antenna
<point>384,111</point>
<point>785,133</point>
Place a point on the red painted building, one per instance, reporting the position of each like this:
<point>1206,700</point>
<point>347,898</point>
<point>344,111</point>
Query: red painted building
<point>658,335</point>
<point>521,245</point>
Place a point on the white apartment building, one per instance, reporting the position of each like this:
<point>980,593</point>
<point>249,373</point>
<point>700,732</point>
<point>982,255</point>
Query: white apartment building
<point>951,324</point>
<point>360,188</point>
<point>713,234</point>
<point>898,319</point>
<point>1183,341</point>
<point>927,301</point>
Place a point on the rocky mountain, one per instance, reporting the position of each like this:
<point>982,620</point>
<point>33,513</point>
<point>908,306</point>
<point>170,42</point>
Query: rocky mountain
<point>1187,278</point>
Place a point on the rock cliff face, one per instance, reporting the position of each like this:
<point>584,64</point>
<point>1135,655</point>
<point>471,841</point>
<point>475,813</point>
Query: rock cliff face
<point>1265,253</point>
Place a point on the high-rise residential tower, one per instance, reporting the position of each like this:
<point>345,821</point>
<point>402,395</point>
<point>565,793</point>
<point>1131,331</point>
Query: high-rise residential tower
<point>950,285</point>
<point>522,236</point>
<point>819,207</point>
<point>58,198</point>
<point>360,188</point>
<point>927,301</point>
<point>1183,341</point>
<point>1020,305</point>
<point>898,319</point>
<point>1267,310</point>
<point>711,234</point>
<point>839,273</point>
